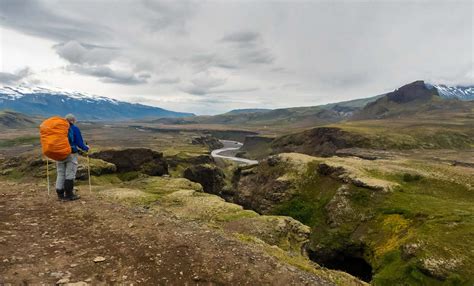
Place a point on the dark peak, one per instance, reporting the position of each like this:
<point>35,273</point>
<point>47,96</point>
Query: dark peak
<point>416,90</point>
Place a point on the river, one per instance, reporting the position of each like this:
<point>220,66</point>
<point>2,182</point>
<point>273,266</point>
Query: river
<point>229,150</point>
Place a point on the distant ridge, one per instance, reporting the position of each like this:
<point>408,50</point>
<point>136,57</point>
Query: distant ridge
<point>410,99</point>
<point>11,119</point>
<point>48,102</point>
<point>247,110</point>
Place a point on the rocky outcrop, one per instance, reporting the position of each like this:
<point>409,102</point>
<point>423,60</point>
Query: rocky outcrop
<point>437,267</point>
<point>261,187</point>
<point>142,160</point>
<point>209,141</point>
<point>417,90</point>
<point>209,176</point>
<point>347,177</point>
<point>322,141</point>
<point>284,232</point>
<point>339,208</point>
<point>463,164</point>
<point>175,161</point>
<point>256,147</point>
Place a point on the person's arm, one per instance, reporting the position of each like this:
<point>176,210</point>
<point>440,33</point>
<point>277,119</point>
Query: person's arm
<point>79,141</point>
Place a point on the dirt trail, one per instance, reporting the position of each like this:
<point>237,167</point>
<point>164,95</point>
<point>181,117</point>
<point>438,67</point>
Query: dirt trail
<point>43,240</point>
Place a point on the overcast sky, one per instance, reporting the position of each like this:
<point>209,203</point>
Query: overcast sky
<point>210,57</point>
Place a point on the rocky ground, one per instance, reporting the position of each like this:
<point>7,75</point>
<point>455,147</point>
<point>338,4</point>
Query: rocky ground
<point>96,240</point>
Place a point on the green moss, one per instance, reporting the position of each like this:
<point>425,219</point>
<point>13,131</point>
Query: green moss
<point>237,215</point>
<point>314,192</point>
<point>394,271</point>
<point>109,179</point>
<point>298,208</point>
<point>14,174</point>
<point>407,177</point>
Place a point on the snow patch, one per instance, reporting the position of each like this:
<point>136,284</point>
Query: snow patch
<point>13,93</point>
<point>459,92</point>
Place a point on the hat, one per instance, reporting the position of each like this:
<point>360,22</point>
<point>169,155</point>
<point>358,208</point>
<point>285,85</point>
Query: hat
<point>71,118</point>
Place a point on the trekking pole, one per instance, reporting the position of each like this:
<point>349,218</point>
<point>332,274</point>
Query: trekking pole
<point>47,174</point>
<point>89,172</point>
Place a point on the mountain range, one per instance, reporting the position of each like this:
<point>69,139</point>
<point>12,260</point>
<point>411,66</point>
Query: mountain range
<point>422,97</point>
<point>48,102</point>
<point>45,102</point>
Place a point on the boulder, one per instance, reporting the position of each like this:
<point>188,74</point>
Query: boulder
<point>210,177</point>
<point>142,160</point>
<point>98,168</point>
<point>409,250</point>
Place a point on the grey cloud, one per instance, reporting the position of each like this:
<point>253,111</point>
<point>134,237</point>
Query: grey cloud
<point>246,47</point>
<point>237,90</point>
<point>201,61</point>
<point>208,82</point>
<point>32,17</point>
<point>168,14</point>
<point>228,66</point>
<point>343,81</point>
<point>108,75</point>
<point>92,60</point>
<point>14,78</point>
<point>170,80</point>
<point>239,51</point>
<point>203,83</point>
<point>205,61</point>
<point>195,90</point>
<point>257,56</point>
<point>78,53</point>
<point>241,37</point>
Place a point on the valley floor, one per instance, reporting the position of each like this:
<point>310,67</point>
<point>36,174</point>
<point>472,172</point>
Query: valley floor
<point>43,240</point>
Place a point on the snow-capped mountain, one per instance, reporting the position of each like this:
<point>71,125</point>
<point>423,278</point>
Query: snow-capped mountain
<point>47,102</point>
<point>465,93</point>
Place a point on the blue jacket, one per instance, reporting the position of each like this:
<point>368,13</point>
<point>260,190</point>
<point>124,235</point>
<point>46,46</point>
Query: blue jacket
<point>75,139</point>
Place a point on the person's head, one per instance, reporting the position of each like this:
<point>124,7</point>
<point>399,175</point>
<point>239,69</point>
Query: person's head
<point>71,118</point>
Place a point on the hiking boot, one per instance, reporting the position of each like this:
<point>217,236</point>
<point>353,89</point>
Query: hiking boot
<point>69,189</point>
<point>60,194</point>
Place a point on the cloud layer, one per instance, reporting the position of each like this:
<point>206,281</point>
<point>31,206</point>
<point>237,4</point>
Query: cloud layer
<point>15,77</point>
<point>208,57</point>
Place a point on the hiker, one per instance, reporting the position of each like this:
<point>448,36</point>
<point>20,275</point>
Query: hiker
<point>67,168</point>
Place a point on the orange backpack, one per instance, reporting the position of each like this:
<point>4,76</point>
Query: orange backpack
<point>54,138</point>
